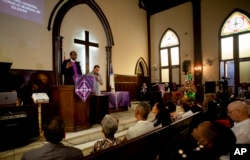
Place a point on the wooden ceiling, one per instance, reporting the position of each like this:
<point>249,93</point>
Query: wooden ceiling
<point>155,6</point>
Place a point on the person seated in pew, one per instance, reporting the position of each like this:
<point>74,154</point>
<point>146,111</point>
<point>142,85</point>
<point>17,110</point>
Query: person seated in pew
<point>109,127</point>
<point>162,115</point>
<point>238,112</point>
<point>53,149</point>
<point>247,102</point>
<point>190,105</point>
<point>215,139</point>
<point>209,107</point>
<point>187,108</point>
<point>142,125</point>
<point>172,108</point>
<point>144,92</point>
<point>244,91</point>
<point>209,141</point>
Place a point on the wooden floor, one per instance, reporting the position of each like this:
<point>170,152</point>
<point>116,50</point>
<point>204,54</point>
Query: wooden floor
<point>83,140</point>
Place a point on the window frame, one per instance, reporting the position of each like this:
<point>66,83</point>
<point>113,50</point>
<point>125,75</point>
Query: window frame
<point>170,67</point>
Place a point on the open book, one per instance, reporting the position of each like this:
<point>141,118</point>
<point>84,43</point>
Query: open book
<point>40,98</point>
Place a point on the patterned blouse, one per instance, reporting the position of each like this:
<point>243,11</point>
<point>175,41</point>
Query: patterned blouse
<point>105,143</point>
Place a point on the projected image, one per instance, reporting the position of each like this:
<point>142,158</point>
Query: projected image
<point>31,10</point>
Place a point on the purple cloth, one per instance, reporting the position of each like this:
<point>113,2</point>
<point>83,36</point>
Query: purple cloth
<point>117,99</point>
<point>74,68</point>
<point>84,85</point>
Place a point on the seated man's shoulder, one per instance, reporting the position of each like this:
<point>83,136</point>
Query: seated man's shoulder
<point>141,127</point>
<point>73,149</point>
<point>30,154</point>
<point>74,153</point>
<point>65,152</point>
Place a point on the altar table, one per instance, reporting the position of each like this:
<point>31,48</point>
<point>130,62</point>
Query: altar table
<point>119,100</point>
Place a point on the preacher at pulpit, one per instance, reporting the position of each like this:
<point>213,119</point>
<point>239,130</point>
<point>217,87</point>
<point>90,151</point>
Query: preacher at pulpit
<point>97,79</point>
<point>70,68</point>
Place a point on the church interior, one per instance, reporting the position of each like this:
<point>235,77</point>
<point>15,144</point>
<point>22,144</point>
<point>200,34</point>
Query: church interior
<point>177,48</point>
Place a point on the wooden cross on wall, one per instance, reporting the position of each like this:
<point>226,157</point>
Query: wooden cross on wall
<point>87,44</point>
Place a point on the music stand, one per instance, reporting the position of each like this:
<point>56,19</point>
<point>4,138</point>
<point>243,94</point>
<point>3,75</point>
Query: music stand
<point>40,98</point>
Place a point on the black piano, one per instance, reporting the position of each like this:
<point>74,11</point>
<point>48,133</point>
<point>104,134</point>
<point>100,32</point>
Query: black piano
<point>18,124</point>
<point>9,81</point>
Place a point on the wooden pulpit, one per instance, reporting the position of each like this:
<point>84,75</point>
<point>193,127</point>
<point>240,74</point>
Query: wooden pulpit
<point>72,109</point>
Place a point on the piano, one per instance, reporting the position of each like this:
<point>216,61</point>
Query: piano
<point>18,124</point>
<point>9,81</point>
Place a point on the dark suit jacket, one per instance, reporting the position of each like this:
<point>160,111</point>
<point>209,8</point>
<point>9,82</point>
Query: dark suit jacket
<point>52,151</point>
<point>69,73</point>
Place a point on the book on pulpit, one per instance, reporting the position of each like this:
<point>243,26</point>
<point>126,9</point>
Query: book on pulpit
<point>40,98</point>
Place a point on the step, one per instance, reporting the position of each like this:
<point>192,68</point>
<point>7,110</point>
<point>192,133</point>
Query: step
<point>126,119</point>
<point>85,139</point>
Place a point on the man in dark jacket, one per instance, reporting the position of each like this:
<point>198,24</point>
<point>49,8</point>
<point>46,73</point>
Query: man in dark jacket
<point>70,68</point>
<point>53,149</point>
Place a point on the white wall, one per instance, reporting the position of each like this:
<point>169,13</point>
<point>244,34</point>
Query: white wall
<point>28,45</point>
<point>180,20</point>
<point>213,14</point>
<point>22,40</point>
<point>129,27</point>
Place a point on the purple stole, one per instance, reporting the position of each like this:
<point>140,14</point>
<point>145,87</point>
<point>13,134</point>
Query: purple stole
<point>74,68</point>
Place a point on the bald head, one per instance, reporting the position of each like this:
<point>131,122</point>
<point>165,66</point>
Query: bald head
<point>237,111</point>
<point>73,55</point>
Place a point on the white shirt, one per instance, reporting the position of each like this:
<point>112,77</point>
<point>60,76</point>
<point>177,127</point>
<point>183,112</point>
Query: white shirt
<point>140,128</point>
<point>242,131</point>
<point>96,84</point>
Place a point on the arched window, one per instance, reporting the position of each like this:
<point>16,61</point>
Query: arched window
<point>235,49</point>
<point>170,57</point>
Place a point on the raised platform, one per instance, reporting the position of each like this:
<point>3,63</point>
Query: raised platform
<point>83,140</point>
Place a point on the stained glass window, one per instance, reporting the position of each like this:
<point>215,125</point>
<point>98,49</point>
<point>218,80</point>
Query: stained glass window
<point>170,57</point>
<point>236,23</point>
<point>235,50</point>
<point>169,39</point>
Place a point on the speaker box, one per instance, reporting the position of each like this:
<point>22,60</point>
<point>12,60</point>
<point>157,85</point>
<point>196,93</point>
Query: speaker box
<point>210,87</point>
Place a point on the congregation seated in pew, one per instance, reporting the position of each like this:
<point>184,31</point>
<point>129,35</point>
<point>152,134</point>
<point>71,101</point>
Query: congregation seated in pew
<point>142,125</point>
<point>109,127</point>
<point>146,146</point>
<point>220,147</point>
<point>144,92</point>
<point>209,141</point>
<point>53,149</point>
<point>174,114</point>
<point>162,114</point>
<point>238,112</point>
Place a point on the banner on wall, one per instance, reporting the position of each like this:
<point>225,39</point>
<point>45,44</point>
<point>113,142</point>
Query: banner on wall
<point>112,80</point>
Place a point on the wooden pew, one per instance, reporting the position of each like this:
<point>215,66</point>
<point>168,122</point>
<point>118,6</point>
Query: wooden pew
<point>148,146</point>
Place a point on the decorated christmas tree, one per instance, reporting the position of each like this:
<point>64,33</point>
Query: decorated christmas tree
<point>189,90</point>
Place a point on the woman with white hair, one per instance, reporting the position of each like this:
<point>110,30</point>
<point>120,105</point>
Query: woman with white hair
<point>109,128</point>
